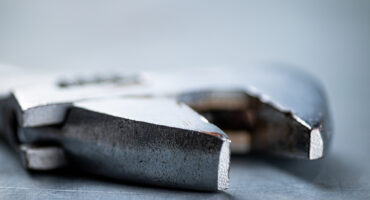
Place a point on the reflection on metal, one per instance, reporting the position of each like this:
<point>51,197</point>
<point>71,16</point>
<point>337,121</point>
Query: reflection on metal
<point>42,158</point>
<point>160,129</point>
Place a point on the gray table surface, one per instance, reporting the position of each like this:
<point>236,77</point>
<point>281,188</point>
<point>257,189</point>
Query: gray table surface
<point>330,39</point>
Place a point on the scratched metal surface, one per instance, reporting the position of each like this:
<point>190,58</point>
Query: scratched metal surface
<point>329,39</point>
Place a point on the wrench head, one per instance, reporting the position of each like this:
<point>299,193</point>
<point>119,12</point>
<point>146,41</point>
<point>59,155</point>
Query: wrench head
<point>144,131</point>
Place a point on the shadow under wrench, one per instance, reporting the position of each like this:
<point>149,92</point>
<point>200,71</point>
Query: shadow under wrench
<point>330,173</point>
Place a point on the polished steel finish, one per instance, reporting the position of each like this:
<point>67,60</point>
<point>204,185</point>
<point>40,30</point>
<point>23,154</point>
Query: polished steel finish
<point>141,129</point>
<point>285,103</point>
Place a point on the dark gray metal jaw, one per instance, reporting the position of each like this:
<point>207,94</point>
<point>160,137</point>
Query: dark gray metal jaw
<point>261,125</point>
<point>282,111</point>
<point>145,144</point>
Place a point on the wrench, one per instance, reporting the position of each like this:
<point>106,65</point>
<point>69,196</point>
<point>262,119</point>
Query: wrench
<point>146,127</point>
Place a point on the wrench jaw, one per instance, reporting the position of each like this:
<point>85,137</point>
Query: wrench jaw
<point>262,125</point>
<point>178,150</point>
<point>204,161</point>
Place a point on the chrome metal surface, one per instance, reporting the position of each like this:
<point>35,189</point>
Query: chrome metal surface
<point>104,125</point>
<point>289,106</point>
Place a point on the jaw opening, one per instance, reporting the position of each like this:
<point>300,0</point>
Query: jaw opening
<point>255,125</point>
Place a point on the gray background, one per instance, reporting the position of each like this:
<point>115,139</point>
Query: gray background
<point>330,39</point>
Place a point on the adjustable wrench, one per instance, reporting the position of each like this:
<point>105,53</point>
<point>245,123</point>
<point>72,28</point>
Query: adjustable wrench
<point>148,127</point>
